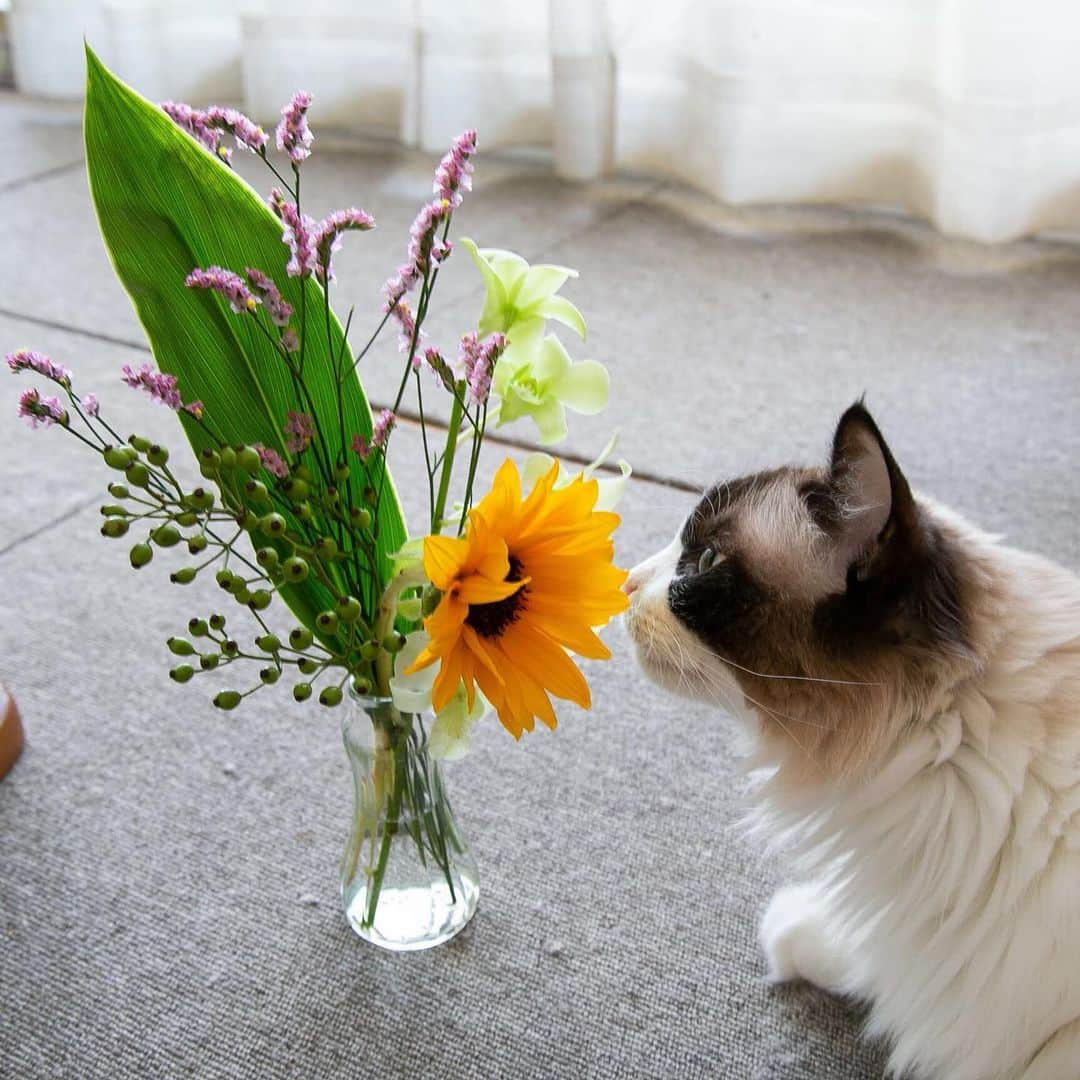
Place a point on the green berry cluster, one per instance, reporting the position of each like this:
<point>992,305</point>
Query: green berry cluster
<point>300,525</point>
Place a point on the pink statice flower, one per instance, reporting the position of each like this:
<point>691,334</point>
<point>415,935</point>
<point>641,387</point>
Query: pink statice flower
<point>407,329</point>
<point>384,424</point>
<point>41,411</point>
<point>272,461</point>
<point>477,360</point>
<point>290,341</point>
<point>29,360</point>
<point>467,351</point>
<point>299,431</point>
<point>90,405</point>
<point>297,235</point>
<point>422,234</point>
<point>293,134</point>
<point>327,237</point>
<point>161,387</point>
<point>245,131</point>
<point>437,363</point>
<point>197,125</point>
<point>280,310</point>
<point>226,284</point>
<point>423,252</point>
<point>397,286</point>
<point>440,251</point>
<point>380,436</point>
<point>454,173</point>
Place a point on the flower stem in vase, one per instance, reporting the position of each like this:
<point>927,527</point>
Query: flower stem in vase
<point>385,746</point>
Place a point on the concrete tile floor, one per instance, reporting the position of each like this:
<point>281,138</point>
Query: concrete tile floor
<point>617,933</point>
<point>40,138</point>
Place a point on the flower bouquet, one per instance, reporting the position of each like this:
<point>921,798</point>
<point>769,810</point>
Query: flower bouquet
<point>420,636</point>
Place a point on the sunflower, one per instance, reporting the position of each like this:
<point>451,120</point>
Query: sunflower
<point>530,580</point>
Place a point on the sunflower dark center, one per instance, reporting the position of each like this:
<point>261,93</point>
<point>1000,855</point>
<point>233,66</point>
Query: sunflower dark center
<point>491,620</point>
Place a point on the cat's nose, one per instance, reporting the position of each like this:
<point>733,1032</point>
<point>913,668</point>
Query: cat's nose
<point>634,581</point>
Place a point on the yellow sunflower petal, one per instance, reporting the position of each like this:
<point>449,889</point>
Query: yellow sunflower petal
<point>446,682</point>
<point>496,693</point>
<point>425,659</point>
<point>546,508</point>
<point>542,659</point>
<point>468,676</point>
<point>479,650</point>
<point>501,502</point>
<point>444,623</point>
<point>569,539</point>
<point>572,635</point>
<point>444,556</point>
<point>537,702</point>
<point>515,714</point>
<point>479,590</point>
<point>489,556</point>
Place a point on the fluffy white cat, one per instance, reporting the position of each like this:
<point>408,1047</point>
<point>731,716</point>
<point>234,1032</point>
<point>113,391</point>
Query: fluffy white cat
<point>911,688</point>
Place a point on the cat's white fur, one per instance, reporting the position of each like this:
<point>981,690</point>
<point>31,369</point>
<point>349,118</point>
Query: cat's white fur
<point>944,888</point>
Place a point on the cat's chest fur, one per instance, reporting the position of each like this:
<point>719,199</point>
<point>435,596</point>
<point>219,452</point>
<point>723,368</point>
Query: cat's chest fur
<point>951,879</point>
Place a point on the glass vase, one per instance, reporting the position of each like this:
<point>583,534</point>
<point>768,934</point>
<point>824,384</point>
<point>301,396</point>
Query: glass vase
<point>408,880</point>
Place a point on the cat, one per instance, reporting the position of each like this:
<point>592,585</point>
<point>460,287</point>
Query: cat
<point>909,688</point>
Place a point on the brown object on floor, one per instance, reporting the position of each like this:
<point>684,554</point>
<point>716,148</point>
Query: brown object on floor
<point>11,732</point>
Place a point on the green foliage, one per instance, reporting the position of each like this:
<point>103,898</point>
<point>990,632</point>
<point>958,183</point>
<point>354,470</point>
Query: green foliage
<point>166,206</point>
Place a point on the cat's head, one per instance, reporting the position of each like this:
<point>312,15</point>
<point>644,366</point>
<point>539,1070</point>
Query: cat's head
<point>824,604</point>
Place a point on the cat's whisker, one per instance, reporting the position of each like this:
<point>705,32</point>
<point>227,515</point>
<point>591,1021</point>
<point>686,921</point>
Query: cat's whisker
<point>791,734</point>
<point>712,681</point>
<point>715,683</point>
<point>794,678</point>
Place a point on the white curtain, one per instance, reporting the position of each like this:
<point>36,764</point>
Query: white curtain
<point>964,112</point>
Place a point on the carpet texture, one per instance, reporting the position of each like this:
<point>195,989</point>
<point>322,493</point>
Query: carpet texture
<point>168,881</point>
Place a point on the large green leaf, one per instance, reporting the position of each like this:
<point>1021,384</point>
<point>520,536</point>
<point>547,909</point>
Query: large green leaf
<point>164,206</point>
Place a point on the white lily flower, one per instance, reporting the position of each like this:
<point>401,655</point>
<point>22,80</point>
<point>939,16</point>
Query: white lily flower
<point>412,693</point>
<point>451,734</point>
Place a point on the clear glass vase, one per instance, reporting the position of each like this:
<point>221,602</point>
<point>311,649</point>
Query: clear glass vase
<point>408,880</point>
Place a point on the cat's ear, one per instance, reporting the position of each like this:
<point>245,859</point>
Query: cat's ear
<point>878,520</point>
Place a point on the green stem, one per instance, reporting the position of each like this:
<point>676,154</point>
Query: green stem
<point>474,461</point>
<point>370,341</point>
<point>435,818</point>
<point>270,165</point>
<point>390,828</point>
<point>447,464</point>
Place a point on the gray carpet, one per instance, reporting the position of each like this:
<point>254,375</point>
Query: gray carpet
<point>168,873</point>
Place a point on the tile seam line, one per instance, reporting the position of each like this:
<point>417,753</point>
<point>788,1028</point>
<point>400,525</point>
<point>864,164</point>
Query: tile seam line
<point>68,328</point>
<point>21,182</point>
<point>48,526</point>
<point>675,482</point>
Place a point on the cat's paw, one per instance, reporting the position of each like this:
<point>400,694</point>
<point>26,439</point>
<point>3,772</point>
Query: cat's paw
<point>797,942</point>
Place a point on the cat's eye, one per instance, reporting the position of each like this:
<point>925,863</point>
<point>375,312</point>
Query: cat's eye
<point>706,560</point>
